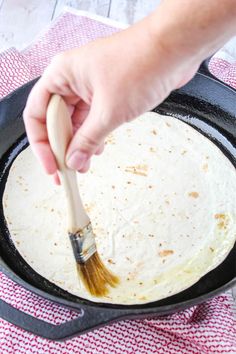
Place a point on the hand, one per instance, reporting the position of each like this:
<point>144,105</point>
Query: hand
<point>111,81</point>
<point>105,83</point>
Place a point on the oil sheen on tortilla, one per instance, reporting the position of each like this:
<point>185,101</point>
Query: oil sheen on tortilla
<point>162,203</point>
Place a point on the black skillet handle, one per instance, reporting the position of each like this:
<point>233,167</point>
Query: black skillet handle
<point>87,319</point>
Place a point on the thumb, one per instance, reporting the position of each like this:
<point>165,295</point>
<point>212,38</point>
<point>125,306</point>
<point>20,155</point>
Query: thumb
<point>86,141</point>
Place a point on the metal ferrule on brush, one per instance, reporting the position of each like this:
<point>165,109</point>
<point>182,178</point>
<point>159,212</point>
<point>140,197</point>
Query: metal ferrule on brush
<point>83,243</point>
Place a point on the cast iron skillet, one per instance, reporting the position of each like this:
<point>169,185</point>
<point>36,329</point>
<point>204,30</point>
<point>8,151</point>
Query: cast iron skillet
<point>206,104</point>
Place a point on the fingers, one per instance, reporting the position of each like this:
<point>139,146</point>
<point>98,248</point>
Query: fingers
<point>87,118</point>
<point>86,166</point>
<point>35,112</point>
<point>88,140</point>
<point>35,124</point>
<point>79,114</point>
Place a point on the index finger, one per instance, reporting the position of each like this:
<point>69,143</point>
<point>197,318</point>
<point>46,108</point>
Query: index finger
<point>35,124</point>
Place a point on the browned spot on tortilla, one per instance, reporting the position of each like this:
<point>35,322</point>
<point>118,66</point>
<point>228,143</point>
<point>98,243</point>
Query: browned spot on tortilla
<point>222,225</point>
<point>212,249</point>
<point>205,167</point>
<point>168,124</point>
<point>183,152</point>
<point>188,271</point>
<point>151,149</point>
<point>154,132</point>
<point>220,216</point>
<point>110,139</point>
<point>223,221</point>
<point>193,194</point>
<point>165,253</point>
<point>142,298</point>
<point>88,207</point>
<point>140,170</point>
<point>110,261</point>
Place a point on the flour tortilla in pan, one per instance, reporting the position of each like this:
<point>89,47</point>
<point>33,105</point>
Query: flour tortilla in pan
<point>162,203</point>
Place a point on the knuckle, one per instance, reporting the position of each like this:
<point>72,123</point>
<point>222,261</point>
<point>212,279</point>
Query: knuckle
<point>86,143</point>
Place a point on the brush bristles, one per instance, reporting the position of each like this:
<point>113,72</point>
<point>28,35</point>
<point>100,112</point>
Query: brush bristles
<point>96,277</point>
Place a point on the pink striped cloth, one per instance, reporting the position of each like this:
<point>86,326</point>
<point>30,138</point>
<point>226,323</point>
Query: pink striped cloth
<point>204,329</point>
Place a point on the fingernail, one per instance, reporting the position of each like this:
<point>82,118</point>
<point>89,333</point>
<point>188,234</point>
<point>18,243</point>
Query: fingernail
<point>77,160</point>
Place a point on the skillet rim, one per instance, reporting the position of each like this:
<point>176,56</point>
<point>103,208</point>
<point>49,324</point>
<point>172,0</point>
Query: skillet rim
<point>87,303</point>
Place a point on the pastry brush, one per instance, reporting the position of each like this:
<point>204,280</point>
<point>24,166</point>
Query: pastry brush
<point>95,276</point>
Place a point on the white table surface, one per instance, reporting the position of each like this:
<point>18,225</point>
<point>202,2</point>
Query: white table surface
<point>22,20</point>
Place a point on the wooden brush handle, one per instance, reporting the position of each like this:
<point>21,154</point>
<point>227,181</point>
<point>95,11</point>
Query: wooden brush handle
<point>60,132</point>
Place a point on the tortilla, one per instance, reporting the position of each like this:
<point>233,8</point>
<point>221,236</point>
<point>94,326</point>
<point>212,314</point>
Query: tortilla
<point>161,199</point>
